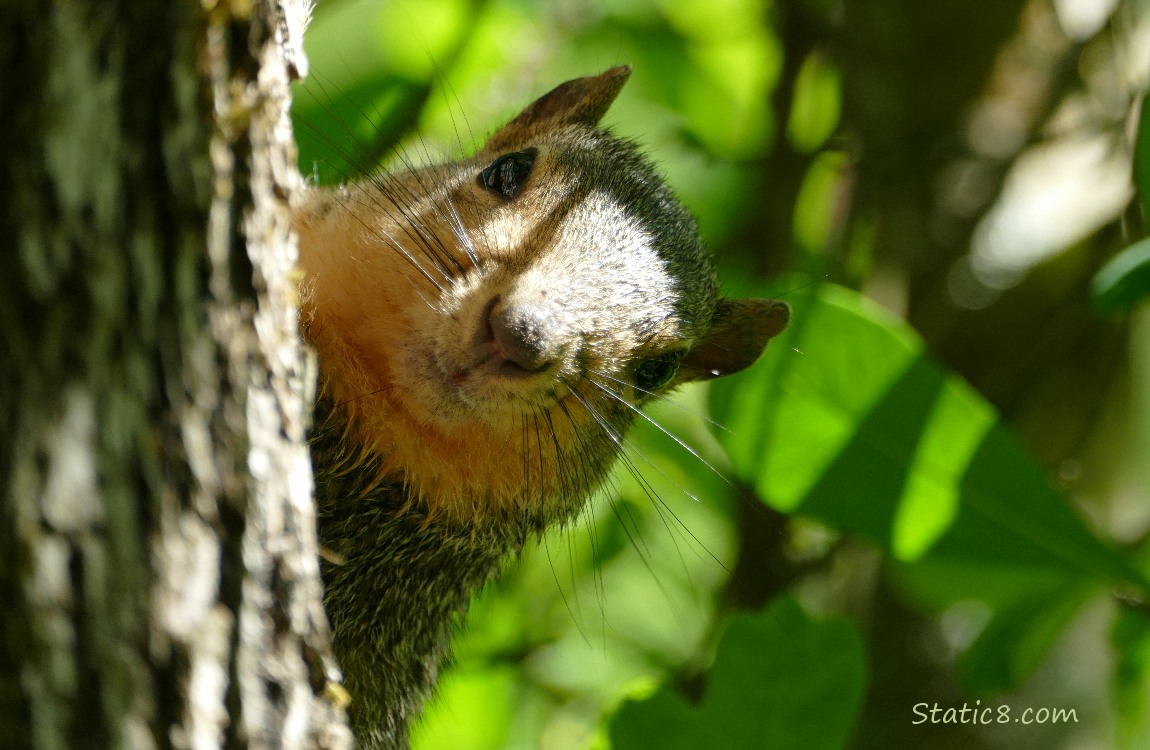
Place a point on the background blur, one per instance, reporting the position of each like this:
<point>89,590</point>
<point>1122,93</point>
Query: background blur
<point>934,489</point>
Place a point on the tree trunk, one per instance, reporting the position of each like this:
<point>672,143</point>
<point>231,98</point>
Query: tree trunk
<point>158,566</point>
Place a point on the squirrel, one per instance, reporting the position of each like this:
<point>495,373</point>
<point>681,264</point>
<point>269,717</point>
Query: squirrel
<point>486,331</point>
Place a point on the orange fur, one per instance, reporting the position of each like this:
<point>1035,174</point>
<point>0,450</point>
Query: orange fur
<point>373,317</point>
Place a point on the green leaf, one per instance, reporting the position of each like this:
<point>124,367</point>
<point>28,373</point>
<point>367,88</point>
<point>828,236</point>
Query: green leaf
<point>848,420</point>
<point>779,681</point>
<point>1123,281</point>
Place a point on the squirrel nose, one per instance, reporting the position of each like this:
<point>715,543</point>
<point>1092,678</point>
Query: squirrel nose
<point>522,333</point>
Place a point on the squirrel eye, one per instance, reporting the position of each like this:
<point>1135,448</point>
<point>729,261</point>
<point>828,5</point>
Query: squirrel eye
<point>507,174</point>
<point>653,374</point>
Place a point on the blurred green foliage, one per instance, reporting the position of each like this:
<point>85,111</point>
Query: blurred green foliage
<point>761,690</point>
<point>929,489</point>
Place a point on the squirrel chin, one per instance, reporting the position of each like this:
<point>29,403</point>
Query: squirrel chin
<point>466,446</point>
<point>472,472</point>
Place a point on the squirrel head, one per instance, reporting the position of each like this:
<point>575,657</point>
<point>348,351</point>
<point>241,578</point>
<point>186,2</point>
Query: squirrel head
<point>490,326</point>
<point>717,336</point>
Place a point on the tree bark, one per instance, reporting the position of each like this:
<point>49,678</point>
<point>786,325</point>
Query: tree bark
<point>158,562</point>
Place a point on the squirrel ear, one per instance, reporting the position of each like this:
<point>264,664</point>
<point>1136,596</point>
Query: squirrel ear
<point>739,332</point>
<point>583,100</point>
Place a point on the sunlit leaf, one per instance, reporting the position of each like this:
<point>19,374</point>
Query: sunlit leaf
<point>849,421</point>
<point>779,681</point>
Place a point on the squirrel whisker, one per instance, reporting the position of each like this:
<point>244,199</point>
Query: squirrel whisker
<point>487,329</point>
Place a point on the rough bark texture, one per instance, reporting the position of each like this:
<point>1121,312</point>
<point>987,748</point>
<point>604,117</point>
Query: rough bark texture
<point>157,548</point>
